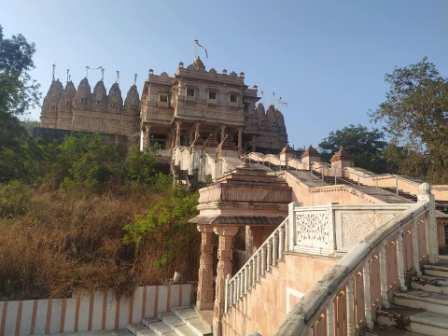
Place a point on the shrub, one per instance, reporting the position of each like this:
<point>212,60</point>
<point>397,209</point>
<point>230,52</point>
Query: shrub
<point>14,199</point>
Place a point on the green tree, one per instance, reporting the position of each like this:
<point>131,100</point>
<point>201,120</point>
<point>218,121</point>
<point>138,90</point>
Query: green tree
<point>17,93</point>
<point>415,115</point>
<point>365,146</point>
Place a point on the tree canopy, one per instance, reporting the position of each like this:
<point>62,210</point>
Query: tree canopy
<point>415,115</point>
<point>365,146</point>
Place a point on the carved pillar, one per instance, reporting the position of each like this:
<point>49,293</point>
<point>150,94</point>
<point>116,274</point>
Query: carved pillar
<point>350,304</point>
<point>146,136</point>
<point>240,140</point>
<point>367,296</point>
<point>224,267</point>
<point>383,277</point>
<point>223,133</point>
<point>400,261</point>
<point>425,195</point>
<point>205,278</point>
<point>177,139</point>
<point>330,318</point>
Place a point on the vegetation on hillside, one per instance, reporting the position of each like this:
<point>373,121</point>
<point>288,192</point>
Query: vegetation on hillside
<point>83,213</point>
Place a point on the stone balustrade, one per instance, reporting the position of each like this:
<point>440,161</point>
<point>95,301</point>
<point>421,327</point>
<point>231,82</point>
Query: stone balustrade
<point>346,299</point>
<point>259,264</point>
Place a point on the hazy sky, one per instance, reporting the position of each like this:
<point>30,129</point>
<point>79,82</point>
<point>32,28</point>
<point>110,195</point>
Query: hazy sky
<point>326,58</point>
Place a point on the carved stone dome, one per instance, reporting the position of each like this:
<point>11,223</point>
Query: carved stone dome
<point>82,98</point>
<point>132,101</point>
<point>68,96</point>
<point>99,97</point>
<point>115,101</point>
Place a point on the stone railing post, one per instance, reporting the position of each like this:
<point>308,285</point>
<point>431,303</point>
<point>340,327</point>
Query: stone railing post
<point>281,237</point>
<point>383,276</point>
<point>368,312</point>
<point>263,261</point>
<point>350,303</point>
<point>415,248</point>
<point>275,249</point>
<point>291,227</point>
<point>269,255</point>
<point>425,195</point>
<point>400,261</point>
<point>330,318</point>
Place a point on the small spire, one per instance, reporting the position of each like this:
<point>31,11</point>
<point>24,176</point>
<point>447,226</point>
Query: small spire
<point>118,76</point>
<point>68,75</point>
<point>102,72</point>
<point>135,79</point>
<point>87,71</point>
<point>53,70</point>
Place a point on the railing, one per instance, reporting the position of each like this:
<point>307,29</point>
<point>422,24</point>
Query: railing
<point>324,230</point>
<point>345,300</point>
<point>261,262</point>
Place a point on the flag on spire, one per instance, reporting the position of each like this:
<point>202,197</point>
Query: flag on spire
<point>197,44</point>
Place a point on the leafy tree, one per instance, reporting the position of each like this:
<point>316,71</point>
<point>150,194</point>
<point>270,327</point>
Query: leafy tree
<point>17,93</point>
<point>165,226</point>
<point>365,146</point>
<point>415,115</point>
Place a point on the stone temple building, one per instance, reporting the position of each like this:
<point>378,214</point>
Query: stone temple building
<point>195,106</point>
<point>202,107</point>
<point>81,109</point>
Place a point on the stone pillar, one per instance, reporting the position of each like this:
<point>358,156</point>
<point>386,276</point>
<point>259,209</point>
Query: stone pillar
<point>425,195</point>
<point>205,278</point>
<point>225,254</point>
<point>146,136</point>
<point>240,140</point>
<point>223,133</point>
<point>177,138</point>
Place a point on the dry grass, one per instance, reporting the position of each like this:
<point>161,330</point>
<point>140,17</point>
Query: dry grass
<point>66,242</point>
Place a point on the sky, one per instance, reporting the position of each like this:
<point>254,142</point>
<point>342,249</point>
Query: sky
<point>327,59</point>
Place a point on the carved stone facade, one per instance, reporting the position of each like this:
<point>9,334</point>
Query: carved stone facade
<point>199,107</point>
<point>71,109</point>
<point>194,107</point>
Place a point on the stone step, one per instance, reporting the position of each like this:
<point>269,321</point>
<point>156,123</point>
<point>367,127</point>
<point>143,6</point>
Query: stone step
<point>159,328</point>
<point>179,326</point>
<point>439,270</point>
<point>139,329</point>
<point>433,302</point>
<point>434,285</point>
<point>389,331</point>
<point>442,281</point>
<point>191,318</point>
<point>428,323</point>
<point>443,258</point>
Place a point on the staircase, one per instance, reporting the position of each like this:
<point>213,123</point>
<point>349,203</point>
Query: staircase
<point>422,309</point>
<point>183,321</point>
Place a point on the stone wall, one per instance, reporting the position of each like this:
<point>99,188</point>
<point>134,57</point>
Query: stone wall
<point>275,295</point>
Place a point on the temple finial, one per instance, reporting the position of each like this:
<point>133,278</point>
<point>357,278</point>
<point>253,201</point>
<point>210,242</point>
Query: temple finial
<point>68,75</point>
<point>135,79</point>
<point>87,71</point>
<point>118,77</point>
<point>53,71</point>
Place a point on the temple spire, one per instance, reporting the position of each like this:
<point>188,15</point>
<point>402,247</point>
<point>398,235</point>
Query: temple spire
<point>53,66</point>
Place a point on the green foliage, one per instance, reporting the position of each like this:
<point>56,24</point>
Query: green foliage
<point>17,91</point>
<point>415,115</point>
<point>14,199</point>
<point>365,146</point>
<point>165,226</point>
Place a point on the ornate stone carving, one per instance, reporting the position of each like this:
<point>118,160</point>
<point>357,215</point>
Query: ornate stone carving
<point>313,229</point>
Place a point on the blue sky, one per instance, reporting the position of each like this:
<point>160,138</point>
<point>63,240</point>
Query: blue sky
<point>326,58</point>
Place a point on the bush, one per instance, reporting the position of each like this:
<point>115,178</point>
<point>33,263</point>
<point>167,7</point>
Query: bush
<point>14,199</point>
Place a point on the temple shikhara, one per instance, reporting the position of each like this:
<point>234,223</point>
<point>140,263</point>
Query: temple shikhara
<point>290,244</point>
